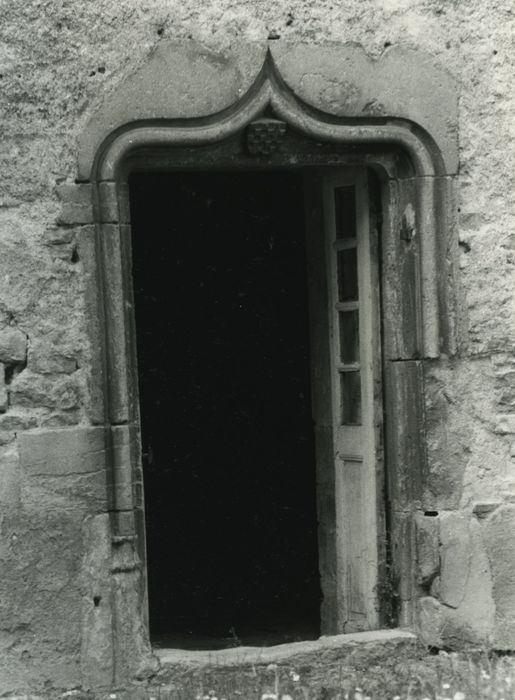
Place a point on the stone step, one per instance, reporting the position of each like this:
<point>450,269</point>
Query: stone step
<point>294,671</point>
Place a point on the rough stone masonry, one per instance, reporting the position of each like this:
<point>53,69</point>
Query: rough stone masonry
<point>60,61</point>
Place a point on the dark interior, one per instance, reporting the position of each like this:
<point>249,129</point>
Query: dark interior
<point>219,265</point>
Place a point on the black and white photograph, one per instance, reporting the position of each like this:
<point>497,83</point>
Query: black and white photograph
<point>257,350</point>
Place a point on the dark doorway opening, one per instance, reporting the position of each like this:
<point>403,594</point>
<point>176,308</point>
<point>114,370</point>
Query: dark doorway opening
<point>221,297</point>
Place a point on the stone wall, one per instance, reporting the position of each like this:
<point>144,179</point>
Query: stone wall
<point>60,60</point>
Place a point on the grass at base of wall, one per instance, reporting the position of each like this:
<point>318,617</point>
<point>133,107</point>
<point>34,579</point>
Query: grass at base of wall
<point>477,675</point>
<point>439,676</point>
<point>434,676</point>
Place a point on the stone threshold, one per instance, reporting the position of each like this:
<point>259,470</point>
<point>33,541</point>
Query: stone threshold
<point>284,653</point>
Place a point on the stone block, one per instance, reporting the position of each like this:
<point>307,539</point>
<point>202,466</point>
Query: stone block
<point>32,390</point>
<point>4,401</point>
<point>428,555</point>
<point>86,242</point>
<point>64,252</point>
<point>132,638</point>
<point>107,197</point>
<point>184,79</point>
<point>124,210</point>
<point>84,493</point>
<point>57,235</point>
<point>461,611</point>
<point>138,494</point>
<point>76,204</point>
<point>505,423</point>
<point>6,437</point>
<point>62,452</point>
<point>180,79</point>
<point>9,477</point>
<point>455,553</point>
<point>324,665</point>
<point>63,419</point>
<point>115,317</point>
<point>342,80</point>
<point>74,193</point>
<point>446,440</point>
<point>498,532</point>
<point>469,625</point>
<point>13,345</point>
<point>74,213</point>
<point>17,421</point>
<point>121,495</point>
<point>435,587</point>
<point>476,612</point>
<point>97,622</point>
<point>40,599</point>
<point>121,468</point>
<point>483,510</point>
<point>45,358</point>
<point>123,522</point>
<point>430,621</point>
<point>403,554</point>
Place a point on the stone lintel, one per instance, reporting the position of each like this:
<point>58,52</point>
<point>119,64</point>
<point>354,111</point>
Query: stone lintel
<point>187,80</point>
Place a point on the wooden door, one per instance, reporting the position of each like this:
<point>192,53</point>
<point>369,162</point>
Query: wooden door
<point>351,408</point>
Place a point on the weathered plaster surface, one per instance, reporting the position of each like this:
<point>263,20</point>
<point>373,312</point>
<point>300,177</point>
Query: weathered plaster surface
<point>59,61</point>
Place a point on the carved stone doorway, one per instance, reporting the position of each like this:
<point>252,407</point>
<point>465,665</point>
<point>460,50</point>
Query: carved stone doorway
<point>414,172</point>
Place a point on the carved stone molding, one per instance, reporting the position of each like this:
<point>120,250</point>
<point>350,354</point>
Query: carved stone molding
<point>185,83</point>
